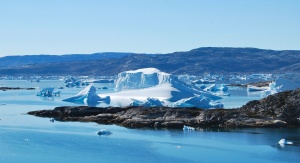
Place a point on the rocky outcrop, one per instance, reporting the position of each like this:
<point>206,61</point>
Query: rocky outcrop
<point>256,84</point>
<point>14,88</point>
<point>284,106</point>
<point>278,110</point>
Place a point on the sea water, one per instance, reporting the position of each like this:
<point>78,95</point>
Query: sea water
<point>25,138</point>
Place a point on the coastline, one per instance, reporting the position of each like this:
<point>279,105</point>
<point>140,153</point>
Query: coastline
<point>15,88</point>
<point>278,110</point>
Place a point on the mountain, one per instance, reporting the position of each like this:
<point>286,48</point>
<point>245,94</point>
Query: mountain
<point>17,61</point>
<point>194,62</point>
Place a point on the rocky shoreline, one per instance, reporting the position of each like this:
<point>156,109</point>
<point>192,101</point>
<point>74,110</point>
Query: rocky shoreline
<point>257,84</point>
<point>278,110</point>
<point>14,88</point>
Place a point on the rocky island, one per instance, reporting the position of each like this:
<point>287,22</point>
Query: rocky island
<point>14,88</point>
<point>278,110</point>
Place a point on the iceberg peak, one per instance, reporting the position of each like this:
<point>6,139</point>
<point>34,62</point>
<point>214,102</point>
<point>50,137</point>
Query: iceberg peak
<point>88,96</point>
<point>146,71</point>
<point>141,78</point>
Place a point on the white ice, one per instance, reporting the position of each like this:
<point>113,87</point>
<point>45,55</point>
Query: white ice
<point>150,82</point>
<point>283,83</point>
<point>150,102</point>
<point>215,88</point>
<point>88,96</point>
<point>197,101</point>
<point>141,78</point>
<point>188,128</point>
<point>283,142</point>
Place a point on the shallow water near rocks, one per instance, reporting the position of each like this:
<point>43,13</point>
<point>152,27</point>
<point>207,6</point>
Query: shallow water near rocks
<point>25,138</point>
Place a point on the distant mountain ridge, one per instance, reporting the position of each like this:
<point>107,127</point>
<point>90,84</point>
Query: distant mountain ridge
<point>17,61</point>
<point>193,62</point>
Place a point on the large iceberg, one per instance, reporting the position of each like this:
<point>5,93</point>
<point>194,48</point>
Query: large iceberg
<point>283,83</point>
<point>141,78</point>
<point>88,96</point>
<point>150,83</point>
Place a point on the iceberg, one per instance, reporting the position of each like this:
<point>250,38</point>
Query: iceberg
<point>141,87</point>
<point>188,128</point>
<point>283,142</point>
<point>283,83</point>
<point>88,96</point>
<point>48,92</point>
<point>251,88</point>
<point>215,88</point>
<point>197,101</point>
<point>149,102</point>
<point>203,81</point>
<point>71,82</point>
<point>141,78</point>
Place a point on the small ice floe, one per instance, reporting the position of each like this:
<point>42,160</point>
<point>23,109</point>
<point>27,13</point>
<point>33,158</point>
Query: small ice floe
<point>188,128</point>
<point>178,147</point>
<point>283,142</point>
<point>52,120</point>
<point>104,132</point>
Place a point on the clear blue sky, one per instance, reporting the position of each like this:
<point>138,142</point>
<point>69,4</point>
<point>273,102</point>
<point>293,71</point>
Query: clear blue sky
<point>145,26</point>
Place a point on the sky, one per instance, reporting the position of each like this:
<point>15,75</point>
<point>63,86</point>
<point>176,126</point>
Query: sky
<point>30,27</point>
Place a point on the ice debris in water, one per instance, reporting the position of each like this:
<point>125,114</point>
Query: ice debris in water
<point>215,88</point>
<point>283,142</point>
<point>104,132</point>
<point>188,128</point>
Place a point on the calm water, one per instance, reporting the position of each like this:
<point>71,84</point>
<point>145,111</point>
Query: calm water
<point>25,138</point>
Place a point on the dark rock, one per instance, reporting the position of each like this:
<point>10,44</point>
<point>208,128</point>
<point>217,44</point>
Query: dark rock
<point>278,110</point>
<point>257,84</point>
<point>14,88</point>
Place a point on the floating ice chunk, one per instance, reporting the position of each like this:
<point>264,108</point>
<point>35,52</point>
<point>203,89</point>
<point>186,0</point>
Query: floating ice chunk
<point>203,81</point>
<point>88,96</point>
<point>283,142</point>
<point>197,101</point>
<point>46,92</point>
<point>104,132</point>
<point>215,88</point>
<point>221,94</point>
<point>255,89</point>
<point>150,102</point>
<point>71,82</point>
<point>188,128</point>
